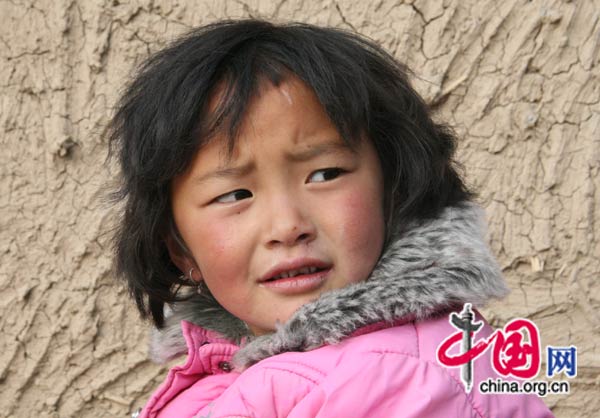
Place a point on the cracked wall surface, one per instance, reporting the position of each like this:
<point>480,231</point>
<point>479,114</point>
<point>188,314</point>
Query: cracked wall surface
<point>518,80</point>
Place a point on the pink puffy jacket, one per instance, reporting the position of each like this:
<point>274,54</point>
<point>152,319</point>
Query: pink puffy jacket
<point>368,350</point>
<point>380,372</point>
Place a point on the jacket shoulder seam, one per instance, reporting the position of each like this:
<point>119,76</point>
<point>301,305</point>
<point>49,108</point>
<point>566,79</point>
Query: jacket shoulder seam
<point>273,361</point>
<point>457,384</point>
<point>294,372</point>
<point>417,338</point>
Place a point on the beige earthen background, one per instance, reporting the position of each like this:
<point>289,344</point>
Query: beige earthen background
<point>518,80</point>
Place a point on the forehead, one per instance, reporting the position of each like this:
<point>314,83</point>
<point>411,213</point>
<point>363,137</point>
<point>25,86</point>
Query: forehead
<point>289,109</point>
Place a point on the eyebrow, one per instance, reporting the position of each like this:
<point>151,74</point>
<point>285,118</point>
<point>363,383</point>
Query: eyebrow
<point>225,172</point>
<point>332,147</point>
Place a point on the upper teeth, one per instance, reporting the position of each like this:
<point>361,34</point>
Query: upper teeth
<point>292,273</point>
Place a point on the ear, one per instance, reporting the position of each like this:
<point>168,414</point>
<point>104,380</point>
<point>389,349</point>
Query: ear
<point>182,259</point>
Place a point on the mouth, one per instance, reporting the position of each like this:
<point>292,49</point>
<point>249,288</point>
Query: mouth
<point>295,269</point>
<point>295,273</point>
<point>296,277</point>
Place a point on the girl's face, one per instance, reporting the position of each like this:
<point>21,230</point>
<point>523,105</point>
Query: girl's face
<point>293,213</point>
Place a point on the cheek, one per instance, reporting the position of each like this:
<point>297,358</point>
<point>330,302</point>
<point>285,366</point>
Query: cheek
<point>217,249</point>
<point>359,222</point>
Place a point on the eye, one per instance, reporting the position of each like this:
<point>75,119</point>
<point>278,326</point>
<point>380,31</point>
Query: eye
<point>326,174</point>
<point>234,196</point>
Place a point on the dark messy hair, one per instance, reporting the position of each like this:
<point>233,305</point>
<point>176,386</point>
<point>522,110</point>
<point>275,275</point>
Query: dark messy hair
<point>163,119</point>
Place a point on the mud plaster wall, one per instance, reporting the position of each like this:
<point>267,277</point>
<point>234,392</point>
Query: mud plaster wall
<point>518,80</point>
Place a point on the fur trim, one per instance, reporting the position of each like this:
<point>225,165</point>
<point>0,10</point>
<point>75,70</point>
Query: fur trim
<point>204,310</point>
<point>428,267</point>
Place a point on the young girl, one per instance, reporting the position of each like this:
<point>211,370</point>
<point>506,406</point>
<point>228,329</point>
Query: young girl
<point>294,223</point>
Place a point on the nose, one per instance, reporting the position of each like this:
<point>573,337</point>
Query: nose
<point>288,222</point>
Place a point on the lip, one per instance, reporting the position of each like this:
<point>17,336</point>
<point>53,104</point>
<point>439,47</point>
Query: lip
<point>295,264</point>
<point>303,283</point>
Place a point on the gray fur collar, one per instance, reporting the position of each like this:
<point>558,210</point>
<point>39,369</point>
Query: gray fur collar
<point>425,269</point>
